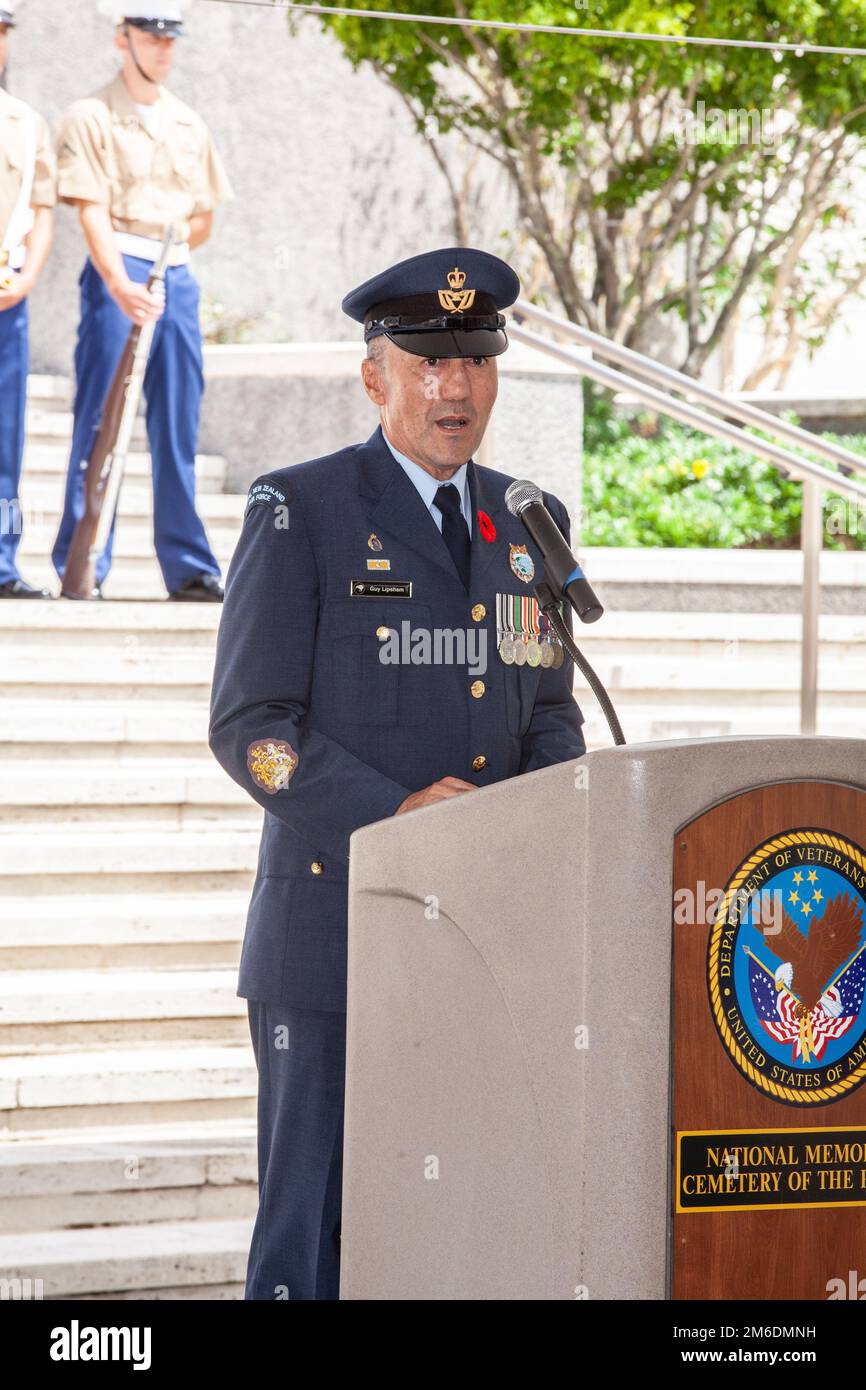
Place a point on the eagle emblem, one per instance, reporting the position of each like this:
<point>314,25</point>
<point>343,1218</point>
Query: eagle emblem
<point>811,966</point>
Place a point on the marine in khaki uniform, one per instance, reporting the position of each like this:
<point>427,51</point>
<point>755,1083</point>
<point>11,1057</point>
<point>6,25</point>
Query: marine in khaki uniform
<point>134,160</point>
<point>27,197</point>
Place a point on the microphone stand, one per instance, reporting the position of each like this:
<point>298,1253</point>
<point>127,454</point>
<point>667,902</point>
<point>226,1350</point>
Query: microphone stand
<point>548,603</point>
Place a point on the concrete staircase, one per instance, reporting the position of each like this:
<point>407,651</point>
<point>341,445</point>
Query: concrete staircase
<point>127,1079</point>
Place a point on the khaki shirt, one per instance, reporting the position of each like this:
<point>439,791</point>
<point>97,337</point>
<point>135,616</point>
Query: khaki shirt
<point>13,145</point>
<point>107,155</point>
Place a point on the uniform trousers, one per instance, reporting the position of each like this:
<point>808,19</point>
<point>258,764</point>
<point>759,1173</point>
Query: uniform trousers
<point>13,402</point>
<point>301,1060</point>
<point>173,387</point>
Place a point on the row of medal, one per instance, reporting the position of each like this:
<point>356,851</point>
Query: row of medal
<point>524,635</point>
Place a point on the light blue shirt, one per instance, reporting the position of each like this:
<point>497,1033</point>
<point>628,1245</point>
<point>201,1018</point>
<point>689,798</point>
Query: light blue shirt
<point>428,486</point>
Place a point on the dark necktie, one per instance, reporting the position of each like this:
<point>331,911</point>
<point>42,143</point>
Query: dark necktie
<point>455,532</point>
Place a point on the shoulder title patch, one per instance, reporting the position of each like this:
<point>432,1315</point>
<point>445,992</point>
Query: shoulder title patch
<point>271,763</point>
<point>265,494</point>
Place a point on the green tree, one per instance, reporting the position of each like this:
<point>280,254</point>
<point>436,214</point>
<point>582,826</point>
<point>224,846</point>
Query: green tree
<point>632,213</point>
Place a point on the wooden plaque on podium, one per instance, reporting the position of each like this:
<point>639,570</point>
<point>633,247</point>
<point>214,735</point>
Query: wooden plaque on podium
<point>768,1050</point>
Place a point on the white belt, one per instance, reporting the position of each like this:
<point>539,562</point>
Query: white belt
<point>148,248</point>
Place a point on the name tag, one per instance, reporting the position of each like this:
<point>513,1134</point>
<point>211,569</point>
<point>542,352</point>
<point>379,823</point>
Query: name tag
<point>380,588</point>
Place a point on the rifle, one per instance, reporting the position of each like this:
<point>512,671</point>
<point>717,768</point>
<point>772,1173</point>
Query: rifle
<point>107,459</point>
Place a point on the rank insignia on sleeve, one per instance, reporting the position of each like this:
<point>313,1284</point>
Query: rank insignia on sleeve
<point>271,763</point>
<point>522,563</point>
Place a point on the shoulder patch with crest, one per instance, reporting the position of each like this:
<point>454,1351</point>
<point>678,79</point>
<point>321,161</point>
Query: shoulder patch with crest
<point>271,762</point>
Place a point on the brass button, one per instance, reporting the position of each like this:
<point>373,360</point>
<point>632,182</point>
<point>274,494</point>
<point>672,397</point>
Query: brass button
<point>317,867</point>
<point>477,689</point>
<point>383,632</point>
<point>479,612</point>
<point>479,762</point>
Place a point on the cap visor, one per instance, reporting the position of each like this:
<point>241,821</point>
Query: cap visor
<point>444,342</point>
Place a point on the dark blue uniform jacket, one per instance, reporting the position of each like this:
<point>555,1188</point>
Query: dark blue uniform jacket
<point>298,668</point>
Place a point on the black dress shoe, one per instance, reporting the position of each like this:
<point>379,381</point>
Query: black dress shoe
<point>202,588</point>
<point>19,588</point>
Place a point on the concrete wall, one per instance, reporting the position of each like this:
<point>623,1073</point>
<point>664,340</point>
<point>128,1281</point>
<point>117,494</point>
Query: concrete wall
<point>332,181</point>
<point>273,405</point>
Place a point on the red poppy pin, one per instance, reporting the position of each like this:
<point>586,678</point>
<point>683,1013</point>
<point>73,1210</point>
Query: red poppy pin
<point>486,527</point>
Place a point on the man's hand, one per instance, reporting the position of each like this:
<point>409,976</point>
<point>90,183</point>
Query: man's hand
<point>137,301</point>
<point>21,286</point>
<point>437,791</point>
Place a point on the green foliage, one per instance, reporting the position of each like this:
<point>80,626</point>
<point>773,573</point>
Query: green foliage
<point>651,485</point>
<point>546,70</point>
<point>609,187</point>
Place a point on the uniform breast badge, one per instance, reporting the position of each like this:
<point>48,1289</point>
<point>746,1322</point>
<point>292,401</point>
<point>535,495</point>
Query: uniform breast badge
<point>373,541</point>
<point>521,563</point>
<point>271,763</point>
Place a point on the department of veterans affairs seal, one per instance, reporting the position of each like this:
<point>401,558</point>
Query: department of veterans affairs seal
<point>786,967</point>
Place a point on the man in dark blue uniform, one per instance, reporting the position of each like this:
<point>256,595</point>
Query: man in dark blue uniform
<point>352,683</point>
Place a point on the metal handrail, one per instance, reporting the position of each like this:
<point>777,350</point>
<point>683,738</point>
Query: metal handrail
<point>814,477</point>
<point>800,468</point>
<point>678,381</point>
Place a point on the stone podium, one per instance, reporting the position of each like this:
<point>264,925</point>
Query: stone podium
<point>536,1042</point>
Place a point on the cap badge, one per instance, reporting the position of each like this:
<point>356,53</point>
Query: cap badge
<point>455,299</point>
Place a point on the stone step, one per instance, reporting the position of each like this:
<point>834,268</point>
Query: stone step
<point>82,996</point>
<point>43,497</point>
<point>662,723</point>
<point>46,458</point>
<point>129,580</point>
<point>707,565</point>
<point>159,624</point>
<point>53,424</point>
<point>139,1084</point>
<point>92,931</point>
<point>52,1185</point>
<point>91,727</point>
<point>179,785</point>
<point>133,545</point>
<point>104,859</point>
<point>117,1260</point>
<point>49,392</point>
<point>61,668</point>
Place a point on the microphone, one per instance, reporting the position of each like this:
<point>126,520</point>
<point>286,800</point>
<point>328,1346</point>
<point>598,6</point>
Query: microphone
<point>562,572</point>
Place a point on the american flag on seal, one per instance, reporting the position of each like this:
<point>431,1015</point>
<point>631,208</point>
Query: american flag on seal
<point>777,1011</point>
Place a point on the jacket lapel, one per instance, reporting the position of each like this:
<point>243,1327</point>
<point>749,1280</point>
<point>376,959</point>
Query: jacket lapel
<point>486,500</point>
<point>394,504</point>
